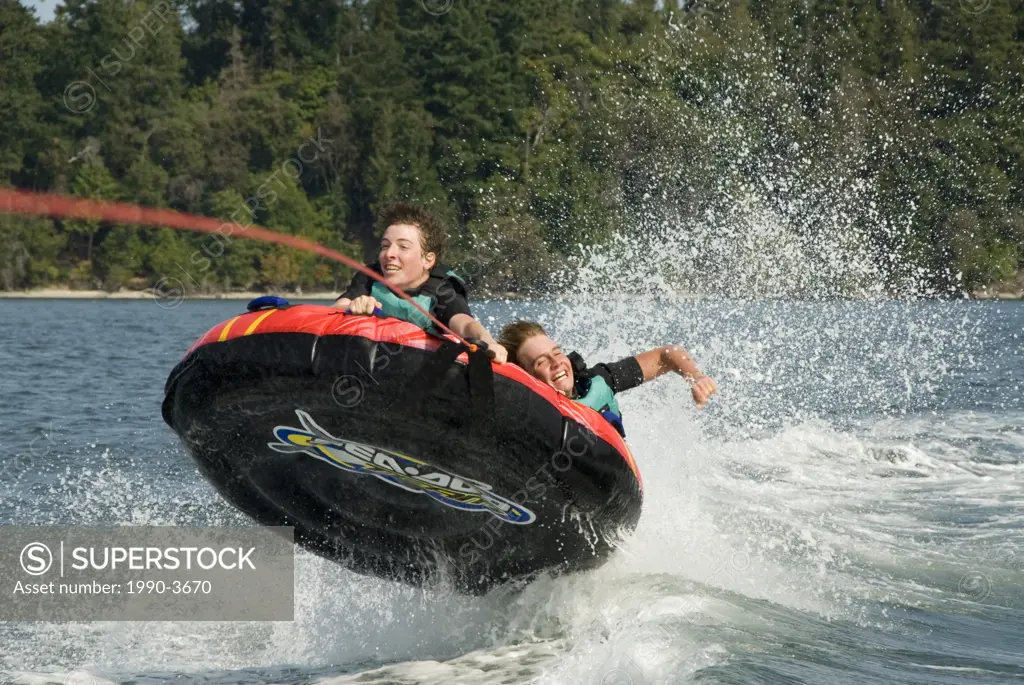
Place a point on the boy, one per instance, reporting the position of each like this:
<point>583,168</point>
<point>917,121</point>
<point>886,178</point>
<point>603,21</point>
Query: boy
<point>409,254</point>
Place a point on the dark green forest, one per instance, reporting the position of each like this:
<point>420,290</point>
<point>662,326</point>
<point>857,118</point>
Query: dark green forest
<point>540,130</point>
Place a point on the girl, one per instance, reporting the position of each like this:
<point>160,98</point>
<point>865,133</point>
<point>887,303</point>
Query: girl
<point>529,346</point>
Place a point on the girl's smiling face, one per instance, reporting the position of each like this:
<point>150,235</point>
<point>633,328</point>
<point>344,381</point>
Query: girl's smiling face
<point>544,360</point>
<point>402,258</point>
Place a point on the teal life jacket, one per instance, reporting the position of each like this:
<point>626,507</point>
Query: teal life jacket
<point>442,284</point>
<point>593,391</point>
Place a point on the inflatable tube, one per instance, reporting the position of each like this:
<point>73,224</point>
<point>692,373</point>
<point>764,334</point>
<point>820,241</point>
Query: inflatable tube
<point>393,453</point>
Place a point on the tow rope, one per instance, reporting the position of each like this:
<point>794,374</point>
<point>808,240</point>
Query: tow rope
<point>62,206</point>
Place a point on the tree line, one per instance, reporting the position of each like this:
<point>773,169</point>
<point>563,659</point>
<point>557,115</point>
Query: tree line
<point>537,129</point>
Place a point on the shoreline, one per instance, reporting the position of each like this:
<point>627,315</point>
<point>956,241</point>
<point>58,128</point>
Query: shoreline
<point>149,294</point>
<point>984,296</point>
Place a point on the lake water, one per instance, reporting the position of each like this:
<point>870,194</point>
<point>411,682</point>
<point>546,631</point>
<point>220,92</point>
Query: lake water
<point>850,508</point>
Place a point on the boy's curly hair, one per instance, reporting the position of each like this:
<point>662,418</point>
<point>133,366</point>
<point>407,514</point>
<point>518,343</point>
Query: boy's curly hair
<point>433,236</point>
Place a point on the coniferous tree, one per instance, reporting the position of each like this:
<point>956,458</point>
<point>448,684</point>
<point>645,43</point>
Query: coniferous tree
<point>534,127</point>
<point>21,53</point>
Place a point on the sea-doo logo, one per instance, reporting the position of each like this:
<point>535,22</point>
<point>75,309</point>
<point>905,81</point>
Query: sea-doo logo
<point>399,470</point>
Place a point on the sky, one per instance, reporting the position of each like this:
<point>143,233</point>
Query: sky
<point>44,8</point>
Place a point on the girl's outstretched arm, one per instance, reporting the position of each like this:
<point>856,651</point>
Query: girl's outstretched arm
<point>661,360</point>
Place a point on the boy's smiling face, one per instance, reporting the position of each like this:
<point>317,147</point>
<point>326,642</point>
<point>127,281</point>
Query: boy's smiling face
<point>402,259</point>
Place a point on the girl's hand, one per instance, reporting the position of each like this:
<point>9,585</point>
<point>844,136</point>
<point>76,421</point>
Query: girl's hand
<point>703,388</point>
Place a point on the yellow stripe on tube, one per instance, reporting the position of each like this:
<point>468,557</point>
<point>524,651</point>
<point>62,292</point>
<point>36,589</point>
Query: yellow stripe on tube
<point>258,321</point>
<point>227,329</point>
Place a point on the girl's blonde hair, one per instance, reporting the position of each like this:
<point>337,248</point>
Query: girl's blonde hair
<point>515,334</point>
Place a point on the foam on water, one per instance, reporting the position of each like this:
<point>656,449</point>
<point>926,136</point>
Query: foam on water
<point>745,538</point>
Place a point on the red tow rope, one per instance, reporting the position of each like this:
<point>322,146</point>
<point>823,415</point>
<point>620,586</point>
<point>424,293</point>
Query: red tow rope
<point>48,204</point>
